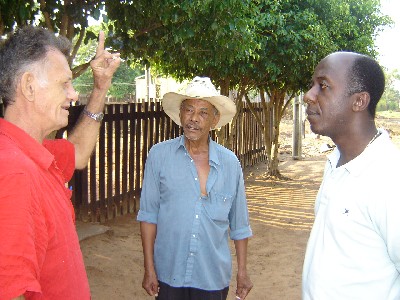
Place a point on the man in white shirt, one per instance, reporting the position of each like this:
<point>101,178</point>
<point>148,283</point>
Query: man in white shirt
<point>354,247</point>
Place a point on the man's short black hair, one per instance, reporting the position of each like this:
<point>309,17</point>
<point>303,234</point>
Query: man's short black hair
<point>366,75</point>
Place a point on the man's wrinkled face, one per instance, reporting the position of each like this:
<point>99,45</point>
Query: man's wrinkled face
<point>54,92</point>
<point>198,117</point>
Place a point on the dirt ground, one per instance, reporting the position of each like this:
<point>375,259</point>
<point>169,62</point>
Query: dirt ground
<point>281,214</point>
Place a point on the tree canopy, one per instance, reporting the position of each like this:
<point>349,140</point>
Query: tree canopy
<point>68,18</point>
<point>269,46</point>
<point>185,38</point>
<point>391,97</point>
<point>294,36</point>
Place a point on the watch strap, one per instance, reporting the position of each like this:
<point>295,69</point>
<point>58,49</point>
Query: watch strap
<point>95,116</point>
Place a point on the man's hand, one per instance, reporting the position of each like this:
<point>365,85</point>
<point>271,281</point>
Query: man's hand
<point>104,65</point>
<point>244,285</point>
<point>150,283</point>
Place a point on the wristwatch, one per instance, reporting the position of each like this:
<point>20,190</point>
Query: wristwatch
<point>97,117</point>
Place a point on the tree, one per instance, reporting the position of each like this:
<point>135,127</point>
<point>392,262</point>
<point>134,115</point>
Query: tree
<point>185,38</point>
<point>16,13</point>
<point>391,97</point>
<point>68,18</point>
<point>295,35</point>
<point>268,45</point>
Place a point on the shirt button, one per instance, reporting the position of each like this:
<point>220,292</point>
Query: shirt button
<point>197,216</point>
<point>191,253</point>
<point>194,235</point>
<point>195,178</point>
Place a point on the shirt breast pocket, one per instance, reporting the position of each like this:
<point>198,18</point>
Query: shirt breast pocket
<point>218,207</point>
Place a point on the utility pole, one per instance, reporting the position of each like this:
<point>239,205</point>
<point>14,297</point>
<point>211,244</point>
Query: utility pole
<point>148,81</point>
<point>297,128</point>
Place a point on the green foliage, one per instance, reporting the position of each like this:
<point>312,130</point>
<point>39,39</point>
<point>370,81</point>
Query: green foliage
<point>295,35</point>
<point>123,83</point>
<point>185,38</point>
<point>269,45</point>
<point>352,24</point>
<point>390,100</point>
<point>69,18</point>
<point>266,45</point>
<point>292,39</point>
<point>66,17</point>
<point>16,12</point>
<point>123,79</point>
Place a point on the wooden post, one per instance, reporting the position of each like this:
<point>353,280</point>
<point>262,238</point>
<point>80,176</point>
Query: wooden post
<point>297,128</point>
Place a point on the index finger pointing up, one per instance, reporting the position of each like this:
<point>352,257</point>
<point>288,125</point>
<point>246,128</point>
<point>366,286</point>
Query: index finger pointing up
<point>100,46</point>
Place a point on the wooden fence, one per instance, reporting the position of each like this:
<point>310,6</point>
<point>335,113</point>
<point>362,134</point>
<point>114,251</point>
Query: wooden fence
<point>111,184</point>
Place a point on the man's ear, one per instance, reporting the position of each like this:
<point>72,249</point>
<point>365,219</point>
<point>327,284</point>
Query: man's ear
<point>27,86</point>
<point>361,101</point>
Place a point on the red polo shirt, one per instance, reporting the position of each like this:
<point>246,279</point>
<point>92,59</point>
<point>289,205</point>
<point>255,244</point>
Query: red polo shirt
<point>40,255</point>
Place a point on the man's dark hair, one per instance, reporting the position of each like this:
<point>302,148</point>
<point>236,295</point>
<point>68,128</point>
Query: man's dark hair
<point>366,75</point>
<point>26,47</point>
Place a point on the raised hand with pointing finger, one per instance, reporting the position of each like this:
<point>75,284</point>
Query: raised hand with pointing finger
<point>84,135</point>
<point>104,65</point>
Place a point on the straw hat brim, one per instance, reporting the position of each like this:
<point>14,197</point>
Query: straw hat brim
<point>171,104</point>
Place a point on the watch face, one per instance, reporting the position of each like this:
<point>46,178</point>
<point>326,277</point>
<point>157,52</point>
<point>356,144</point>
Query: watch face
<point>97,117</point>
<point>100,117</point>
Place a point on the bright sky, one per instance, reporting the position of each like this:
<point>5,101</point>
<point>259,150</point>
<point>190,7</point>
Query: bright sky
<point>388,41</point>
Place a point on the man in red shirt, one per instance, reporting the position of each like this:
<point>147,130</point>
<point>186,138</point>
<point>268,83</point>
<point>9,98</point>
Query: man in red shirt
<point>40,257</point>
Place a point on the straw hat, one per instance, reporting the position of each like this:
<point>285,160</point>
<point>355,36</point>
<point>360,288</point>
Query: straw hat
<point>200,88</point>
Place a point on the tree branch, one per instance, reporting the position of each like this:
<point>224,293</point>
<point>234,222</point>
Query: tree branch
<point>46,15</point>
<point>77,44</point>
<point>78,70</point>
<point>148,29</point>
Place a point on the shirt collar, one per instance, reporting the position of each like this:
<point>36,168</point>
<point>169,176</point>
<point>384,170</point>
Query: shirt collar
<point>32,148</point>
<point>212,149</point>
<point>357,165</point>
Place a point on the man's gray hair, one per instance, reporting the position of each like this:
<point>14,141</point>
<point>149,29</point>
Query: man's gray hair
<point>26,50</point>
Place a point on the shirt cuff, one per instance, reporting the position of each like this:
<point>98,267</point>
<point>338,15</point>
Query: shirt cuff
<point>240,234</point>
<point>147,217</point>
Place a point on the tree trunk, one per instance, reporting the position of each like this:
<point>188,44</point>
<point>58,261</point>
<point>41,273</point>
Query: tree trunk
<point>278,100</point>
<point>221,133</point>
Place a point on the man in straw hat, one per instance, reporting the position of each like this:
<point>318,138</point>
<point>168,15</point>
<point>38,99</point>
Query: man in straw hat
<point>193,195</point>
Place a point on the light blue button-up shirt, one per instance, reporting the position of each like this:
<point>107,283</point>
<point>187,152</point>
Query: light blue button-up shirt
<point>191,247</point>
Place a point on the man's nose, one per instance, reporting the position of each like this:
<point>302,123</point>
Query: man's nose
<point>73,95</point>
<point>309,96</point>
<point>195,116</point>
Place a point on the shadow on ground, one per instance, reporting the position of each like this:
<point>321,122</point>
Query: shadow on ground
<point>287,204</point>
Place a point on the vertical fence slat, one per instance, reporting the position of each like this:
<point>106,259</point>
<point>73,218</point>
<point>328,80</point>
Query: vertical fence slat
<point>132,155</point>
<point>117,163</point>
<point>101,209</point>
<point>139,150</point>
<point>93,188</point>
<point>110,154</point>
<point>125,159</point>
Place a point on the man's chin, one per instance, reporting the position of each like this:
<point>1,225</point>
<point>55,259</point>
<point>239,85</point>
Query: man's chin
<point>314,129</point>
<point>192,137</point>
<point>62,124</point>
